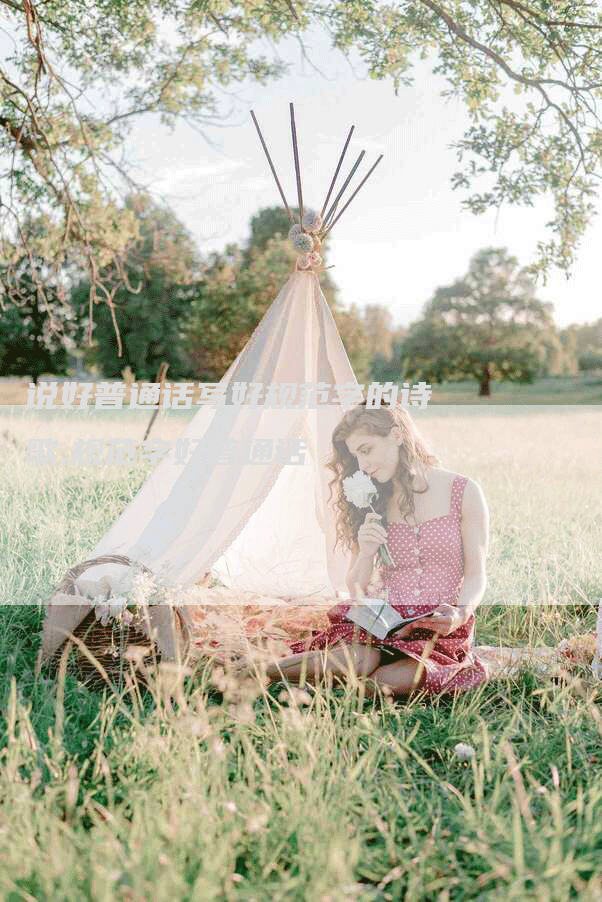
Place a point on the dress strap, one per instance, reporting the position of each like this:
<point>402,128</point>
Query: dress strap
<point>457,494</point>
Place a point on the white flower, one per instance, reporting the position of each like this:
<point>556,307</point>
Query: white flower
<point>114,608</point>
<point>144,589</point>
<point>312,221</point>
<point>463,751</point>
<point>102,613</point>
<point>116,605</point>
<point>359,489</point>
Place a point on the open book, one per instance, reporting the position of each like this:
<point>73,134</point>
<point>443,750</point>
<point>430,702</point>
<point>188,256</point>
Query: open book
<point>378,617</point>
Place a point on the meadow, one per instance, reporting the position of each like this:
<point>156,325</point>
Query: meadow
<point>208,788</point>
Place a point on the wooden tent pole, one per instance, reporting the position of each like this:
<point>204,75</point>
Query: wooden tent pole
<point>267,153</point>
<point>160,378</point>
<point>297,168</point>
<point>345,183</point>
<point>336,172</point>
<point>368,174</point>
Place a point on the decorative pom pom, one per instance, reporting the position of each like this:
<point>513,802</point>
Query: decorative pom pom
<point>314,259</point>
<point>303,242</point>
<point>294,231</point>
<point>304,262</point>
<point>312,221</point>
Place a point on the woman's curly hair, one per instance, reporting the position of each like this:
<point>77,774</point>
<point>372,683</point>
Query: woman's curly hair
<point>414,459</point>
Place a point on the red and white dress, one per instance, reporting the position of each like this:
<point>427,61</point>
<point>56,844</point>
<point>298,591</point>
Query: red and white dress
<point>429,570</point>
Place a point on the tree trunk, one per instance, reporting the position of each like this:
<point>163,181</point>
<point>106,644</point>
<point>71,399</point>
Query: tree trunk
<point>484,387</point>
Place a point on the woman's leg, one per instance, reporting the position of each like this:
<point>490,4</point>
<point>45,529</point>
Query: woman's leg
<point>364,660</point>
<point>402,677</point>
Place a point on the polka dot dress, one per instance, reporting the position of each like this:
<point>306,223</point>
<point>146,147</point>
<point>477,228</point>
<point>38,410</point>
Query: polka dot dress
<point>429,569</point>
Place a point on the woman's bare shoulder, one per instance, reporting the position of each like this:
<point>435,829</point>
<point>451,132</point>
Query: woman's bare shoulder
<point>446,478</point>
<point>442,476</point>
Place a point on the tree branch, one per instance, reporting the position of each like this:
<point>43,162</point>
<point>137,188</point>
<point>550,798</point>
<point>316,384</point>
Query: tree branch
<point>537,84</point>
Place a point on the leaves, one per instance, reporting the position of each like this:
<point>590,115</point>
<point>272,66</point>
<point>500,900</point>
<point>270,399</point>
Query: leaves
<point>550,59</point>
<point>486,325</point>
<point>528,75</point>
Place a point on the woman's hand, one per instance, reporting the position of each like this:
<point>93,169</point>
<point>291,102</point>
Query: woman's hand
<point>444,620</point>
<point>371,535</point>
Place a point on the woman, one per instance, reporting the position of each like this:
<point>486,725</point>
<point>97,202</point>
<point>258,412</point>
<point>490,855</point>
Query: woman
<point>438,537</point>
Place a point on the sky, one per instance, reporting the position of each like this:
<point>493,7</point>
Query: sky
<point>405,233</point>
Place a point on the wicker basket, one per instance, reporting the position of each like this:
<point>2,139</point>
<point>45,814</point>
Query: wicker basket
<point>109,644</point>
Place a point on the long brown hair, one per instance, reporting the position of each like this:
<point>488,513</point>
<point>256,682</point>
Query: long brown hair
<point>414,459</point>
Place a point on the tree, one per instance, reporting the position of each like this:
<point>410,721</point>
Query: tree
<point>378,326</point>
<point>140,328</point>
<point>563,359</point>
<point>486,325</point>
<point>353,335</point>
<point>273,223</point>
<point>35,336</point>
<point>392,368</point>
<point>238,287</point>
<point>586,343</point>
<point>269,222</point>
<point>229,302</point>
<point>63,151</point>
<point>530,77</point>
<point>591,360</point>
<point>67,103</point>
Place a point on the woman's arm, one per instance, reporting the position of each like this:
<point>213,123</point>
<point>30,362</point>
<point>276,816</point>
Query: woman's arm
<point>475,540</point>
<point>360,573</point>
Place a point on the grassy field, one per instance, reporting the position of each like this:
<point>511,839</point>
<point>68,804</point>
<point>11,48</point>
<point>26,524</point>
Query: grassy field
<point>568,390</point>
<point>221,791</point>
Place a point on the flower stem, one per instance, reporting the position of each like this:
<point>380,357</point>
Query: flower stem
<point>384,553</point>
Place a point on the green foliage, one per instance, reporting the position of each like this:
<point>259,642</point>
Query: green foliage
<point>69,98</point>
<point>486,325</point>
<point>36,335</point>
<point>542,141</point>
<point>353,335</point>
<point>161,281</point>
<point>586,341</point>
<point>238,287</point>
<point>591,360</point>
<point>528,75</point>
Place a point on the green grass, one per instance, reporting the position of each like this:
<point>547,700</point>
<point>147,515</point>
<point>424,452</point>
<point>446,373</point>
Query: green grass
<point>582,389</point>
<point>238,792</point>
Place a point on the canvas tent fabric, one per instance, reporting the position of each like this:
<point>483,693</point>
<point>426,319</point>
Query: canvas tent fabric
<point>267,528</point>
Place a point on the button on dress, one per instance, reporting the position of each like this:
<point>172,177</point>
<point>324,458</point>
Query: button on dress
<point>428,570</point>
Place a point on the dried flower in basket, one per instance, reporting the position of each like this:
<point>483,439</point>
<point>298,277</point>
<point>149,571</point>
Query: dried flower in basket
<point>129,609</point>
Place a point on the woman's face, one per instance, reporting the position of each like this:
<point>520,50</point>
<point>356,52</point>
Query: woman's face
<point>377,455</point>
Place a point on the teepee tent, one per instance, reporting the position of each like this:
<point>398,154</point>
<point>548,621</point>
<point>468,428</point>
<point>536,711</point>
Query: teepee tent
<point>264,527</point>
